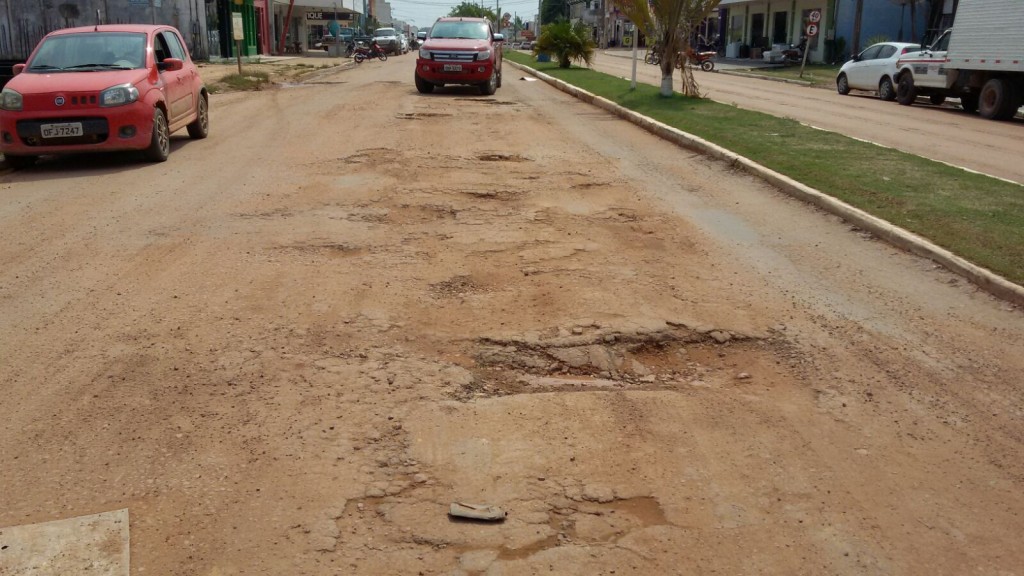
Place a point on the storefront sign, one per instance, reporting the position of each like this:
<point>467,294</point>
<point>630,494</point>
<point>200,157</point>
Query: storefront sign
<point>328,16</point>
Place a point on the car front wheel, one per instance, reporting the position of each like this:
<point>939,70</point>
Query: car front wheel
<point>886,91</point>
<point>491,86</point>
<point>20,162</point>
<point>423,86</point>
<point>906,92</point>
<point>200,127</point>
<point>160,143</point>
<point>842,85</point>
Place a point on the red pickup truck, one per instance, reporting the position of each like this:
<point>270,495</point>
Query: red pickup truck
<point>459,51</point>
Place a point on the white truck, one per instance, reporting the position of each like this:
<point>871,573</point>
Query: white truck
<point>980,61</point>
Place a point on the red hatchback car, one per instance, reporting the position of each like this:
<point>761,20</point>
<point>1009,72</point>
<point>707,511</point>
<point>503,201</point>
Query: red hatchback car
<point>100,89</point>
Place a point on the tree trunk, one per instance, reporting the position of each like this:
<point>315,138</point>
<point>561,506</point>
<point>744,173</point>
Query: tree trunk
<point>913,17</point>
<point>668,65</point>
<point>857,14</point>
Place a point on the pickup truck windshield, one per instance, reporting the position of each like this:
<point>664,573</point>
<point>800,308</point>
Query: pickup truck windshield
<point>470,30</point>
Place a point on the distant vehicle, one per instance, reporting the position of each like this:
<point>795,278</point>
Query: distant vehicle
<point>460,51</point>
<point>100,89</point>
<point>874,69</point>
<point>403,44</point>
<point>980,61</point>
<point>388,40</point>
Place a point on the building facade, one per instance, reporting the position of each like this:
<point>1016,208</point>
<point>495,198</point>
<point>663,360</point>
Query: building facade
<point>748,28</point>
<point>23,23</point>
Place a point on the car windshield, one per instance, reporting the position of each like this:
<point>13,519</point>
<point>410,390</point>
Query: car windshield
<point>90,51</point>
<point>385,32</point>
<point>470,30</point>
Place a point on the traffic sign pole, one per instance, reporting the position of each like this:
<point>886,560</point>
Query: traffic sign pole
<point>812,31</point>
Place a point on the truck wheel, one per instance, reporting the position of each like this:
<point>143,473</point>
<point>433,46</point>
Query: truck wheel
<point>842,85</point>
<point>886,91</point>
<point>998,100</point>
<point>969,102</point>
<point>491,86</point>
<point>422,85</point>
<point>906,92</point>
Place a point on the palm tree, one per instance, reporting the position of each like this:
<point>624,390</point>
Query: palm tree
<point>670,23</point>
<point>566,42</point>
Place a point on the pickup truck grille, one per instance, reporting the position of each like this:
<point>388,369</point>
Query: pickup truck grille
<point>454,56</point>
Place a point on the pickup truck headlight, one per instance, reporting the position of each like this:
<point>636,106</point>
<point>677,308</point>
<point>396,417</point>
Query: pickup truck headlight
<point>119,95</point>
<point>425,54</point>
<point>483,55</point>
<point>10,100</point>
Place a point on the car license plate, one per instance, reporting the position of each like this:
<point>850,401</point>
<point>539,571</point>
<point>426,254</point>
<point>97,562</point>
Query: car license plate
<point>453,67</point>
<point>66,130</point>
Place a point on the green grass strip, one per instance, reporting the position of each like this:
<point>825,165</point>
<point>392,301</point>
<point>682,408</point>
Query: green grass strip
<point>817,75</point>
<point>976,217</point>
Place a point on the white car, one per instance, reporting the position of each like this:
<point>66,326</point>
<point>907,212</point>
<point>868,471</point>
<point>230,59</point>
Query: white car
<point>388,40</point>
<point>874,69</point>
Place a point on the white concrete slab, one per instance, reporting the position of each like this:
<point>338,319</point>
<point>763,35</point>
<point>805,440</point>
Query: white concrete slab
<point>96,545</point>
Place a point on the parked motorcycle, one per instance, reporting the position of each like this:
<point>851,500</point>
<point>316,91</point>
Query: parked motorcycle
<point>704,59</point>
<point>361,52</point>
<point>795,54</point>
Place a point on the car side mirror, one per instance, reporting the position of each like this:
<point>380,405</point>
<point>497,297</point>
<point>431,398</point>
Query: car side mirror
<point>171,64</point>
<point>421,35</point>
<point>498,37</point>
<point>17,69</point>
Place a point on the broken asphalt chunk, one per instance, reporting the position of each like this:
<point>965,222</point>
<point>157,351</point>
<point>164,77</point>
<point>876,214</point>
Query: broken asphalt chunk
<point>477,512</point>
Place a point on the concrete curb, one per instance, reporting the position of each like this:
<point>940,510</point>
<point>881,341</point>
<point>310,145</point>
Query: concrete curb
<point>984,279</point>
<point>763,77</point>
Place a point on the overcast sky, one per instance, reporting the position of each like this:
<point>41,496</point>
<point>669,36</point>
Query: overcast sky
<point>422,13</point>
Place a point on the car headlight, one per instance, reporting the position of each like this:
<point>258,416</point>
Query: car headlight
<point>119,95</point>
<point>484,55</point>
<point>10,100</point>
<point>424,53</point>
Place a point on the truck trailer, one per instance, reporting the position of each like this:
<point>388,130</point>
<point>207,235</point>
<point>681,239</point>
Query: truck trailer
<point>980,60</point>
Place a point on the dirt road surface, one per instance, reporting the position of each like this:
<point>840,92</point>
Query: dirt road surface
<point>291,347</point>
<point>940,133</point>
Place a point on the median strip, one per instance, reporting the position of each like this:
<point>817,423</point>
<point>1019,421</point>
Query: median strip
<point>970,223</point>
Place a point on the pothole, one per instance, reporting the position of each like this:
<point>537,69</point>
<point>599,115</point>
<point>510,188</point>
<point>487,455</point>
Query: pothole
<point>493,194</point>
<point>419,115</point>
<point>588,185</point>
<point>359,214</point>
<point>592,359</point>
<point>490,101</point>
<point>418,214</point>
<point>268,215</point>
<point>500,157</point>
<point>371,155</point>
<point>326,249</point>
<point>455,287</point>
